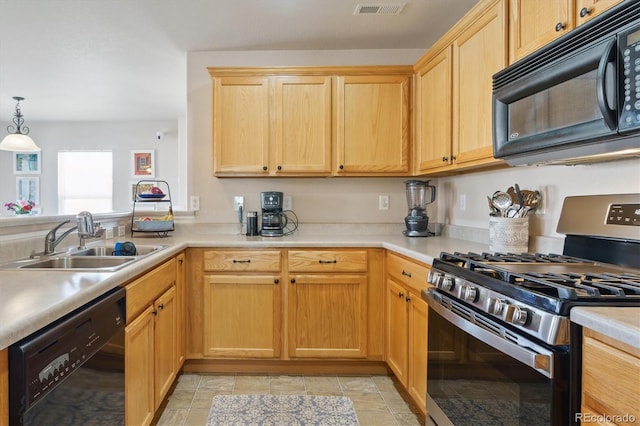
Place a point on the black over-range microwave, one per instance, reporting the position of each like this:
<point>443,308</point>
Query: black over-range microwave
<point>575,100</point>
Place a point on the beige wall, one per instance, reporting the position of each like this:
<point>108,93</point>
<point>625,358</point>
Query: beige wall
<point>355,200</point>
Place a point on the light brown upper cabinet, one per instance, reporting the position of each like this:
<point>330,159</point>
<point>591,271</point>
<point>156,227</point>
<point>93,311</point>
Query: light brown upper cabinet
<point>241,125</point>
<point>533,24</point>
<point>454,93</point>
<point>373,124</point>
<point>271,125</point>
<point>311,121</point>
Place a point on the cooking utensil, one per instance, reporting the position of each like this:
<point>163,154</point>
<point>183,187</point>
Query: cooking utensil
<point>501,201</point>
<point>493,211</point>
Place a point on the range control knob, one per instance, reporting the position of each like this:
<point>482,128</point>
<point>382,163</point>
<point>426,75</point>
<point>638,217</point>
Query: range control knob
<point>519,315</point>
<point>469,293</point>
<point>497,306</point>
<point>446,284</point>
<point>434,278</point>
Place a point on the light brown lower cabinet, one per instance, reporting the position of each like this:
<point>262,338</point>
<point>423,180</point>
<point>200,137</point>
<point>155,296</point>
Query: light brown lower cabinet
<point>151,342</point>
<point>610,381</point>
<point>406,325</point>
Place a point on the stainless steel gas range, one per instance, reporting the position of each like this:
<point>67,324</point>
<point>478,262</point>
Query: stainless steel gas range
<point>501,348</point>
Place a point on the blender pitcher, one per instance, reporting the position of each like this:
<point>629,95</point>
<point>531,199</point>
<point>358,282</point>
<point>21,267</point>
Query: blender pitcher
<point>419,194</point>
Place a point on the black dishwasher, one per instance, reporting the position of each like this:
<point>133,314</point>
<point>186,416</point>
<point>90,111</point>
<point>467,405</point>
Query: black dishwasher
<point>72,371</point>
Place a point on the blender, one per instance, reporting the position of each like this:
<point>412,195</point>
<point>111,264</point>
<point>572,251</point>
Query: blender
<point>418,197</point>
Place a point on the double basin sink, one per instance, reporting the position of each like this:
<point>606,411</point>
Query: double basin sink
<point>103,258</point>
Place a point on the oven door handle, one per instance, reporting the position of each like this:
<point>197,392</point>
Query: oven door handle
<point>533,355</point>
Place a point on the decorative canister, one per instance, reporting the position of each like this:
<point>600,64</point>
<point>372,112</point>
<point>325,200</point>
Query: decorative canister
<point>508,234</point>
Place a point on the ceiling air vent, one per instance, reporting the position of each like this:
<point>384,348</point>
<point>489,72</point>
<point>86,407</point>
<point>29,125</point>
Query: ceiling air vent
<point>379,9</point>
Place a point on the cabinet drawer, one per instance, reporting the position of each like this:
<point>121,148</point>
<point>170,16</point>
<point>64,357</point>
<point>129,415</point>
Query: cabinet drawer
<point>407,272</point>
<point>242,260</point>
<point>146,289</point>
<point>327,260</point>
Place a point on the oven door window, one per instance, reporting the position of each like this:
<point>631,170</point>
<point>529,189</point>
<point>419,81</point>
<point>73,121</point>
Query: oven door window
<point>472,383</point>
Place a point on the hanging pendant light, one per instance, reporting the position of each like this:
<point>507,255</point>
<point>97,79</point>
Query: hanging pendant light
<point>17,139</point>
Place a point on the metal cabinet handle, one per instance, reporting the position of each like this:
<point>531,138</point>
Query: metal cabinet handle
<point>400,294</point>
<point>279,167</point>
<point>242,261</point>
<point>293,281</point>
<point>265,168</point>
<point>585,11</point>
<point>444,159</point>
<point>407,299</point>
<point>406,274</point>
<point>161,306</point>
<point>154,312</point>
<point>327,261</point>
<point>341,166</point>
<point>180,261</point>
<point>560,26</point>
<point>276,281</point>
<point>453,158</point>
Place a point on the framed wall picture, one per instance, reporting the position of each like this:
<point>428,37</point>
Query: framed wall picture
<point>144,164</point>
<point>28,189</point>
<point>26,163</point>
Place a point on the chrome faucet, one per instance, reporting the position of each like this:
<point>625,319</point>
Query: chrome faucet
<point>86,229</point>
<point>50,240</point>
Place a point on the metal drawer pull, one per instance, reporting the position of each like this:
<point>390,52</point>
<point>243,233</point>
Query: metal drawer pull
<point>327,261</point>
<point>406,274</point>
<point>242,261</point>
<point>400,295</point>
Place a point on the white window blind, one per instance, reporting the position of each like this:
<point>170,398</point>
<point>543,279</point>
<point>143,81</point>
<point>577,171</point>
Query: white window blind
<point>85,181</point>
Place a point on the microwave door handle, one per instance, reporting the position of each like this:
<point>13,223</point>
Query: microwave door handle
<point>610,115</point>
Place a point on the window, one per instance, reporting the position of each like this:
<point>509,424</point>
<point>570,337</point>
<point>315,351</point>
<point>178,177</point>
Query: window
<point>85,181</point>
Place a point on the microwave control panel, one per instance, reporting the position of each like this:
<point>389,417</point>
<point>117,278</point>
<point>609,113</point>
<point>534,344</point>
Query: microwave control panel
<point>630,57</point>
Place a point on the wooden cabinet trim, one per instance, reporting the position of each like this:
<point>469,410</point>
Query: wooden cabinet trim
<point>364,70</point>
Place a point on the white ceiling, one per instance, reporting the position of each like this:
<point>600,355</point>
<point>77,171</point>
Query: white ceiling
<point>126,59</point>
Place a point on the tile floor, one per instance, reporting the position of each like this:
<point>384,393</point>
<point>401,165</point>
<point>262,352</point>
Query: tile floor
<point>376,399</point>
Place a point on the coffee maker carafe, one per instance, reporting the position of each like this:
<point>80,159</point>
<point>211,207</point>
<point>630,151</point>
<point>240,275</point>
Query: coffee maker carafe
<point>273,219</point>
<point>419,194</point>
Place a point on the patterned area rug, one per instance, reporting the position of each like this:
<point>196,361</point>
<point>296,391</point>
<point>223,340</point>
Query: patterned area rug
<point>289,410</point>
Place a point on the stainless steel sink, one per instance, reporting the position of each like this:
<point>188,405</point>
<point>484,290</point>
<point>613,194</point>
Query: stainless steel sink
<point>109,263</point>
<point>98,258</point>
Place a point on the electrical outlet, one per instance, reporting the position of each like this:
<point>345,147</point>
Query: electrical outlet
<point>287,203</point>
<point>238,201</point>
<point>383,202</point>
<point>195,203</point>
<point>463,202</point>
<point>121,230</point>
<point>108,233</point>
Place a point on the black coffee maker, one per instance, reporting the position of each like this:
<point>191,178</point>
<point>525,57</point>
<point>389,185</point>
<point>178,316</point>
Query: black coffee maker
<point>273,219</point>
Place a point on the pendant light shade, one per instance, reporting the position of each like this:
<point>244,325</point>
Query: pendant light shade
<point>17,139</point>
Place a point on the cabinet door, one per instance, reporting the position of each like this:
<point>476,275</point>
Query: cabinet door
<point>373,125</point>
<point>328,316</point>
<point>532,24</point>
<point>139,388</point>
<point>302,122</point>
<point>589,9</point>
<point>478,53</point>
<point>433,144</point>
<point>165,343</point>
<point>417,386</point>
<point>397,331</point>
<point>240,125</point>
<point>242,316</point>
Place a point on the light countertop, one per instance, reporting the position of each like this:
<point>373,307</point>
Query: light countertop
<point>30,300</point>
<point>622,324</point>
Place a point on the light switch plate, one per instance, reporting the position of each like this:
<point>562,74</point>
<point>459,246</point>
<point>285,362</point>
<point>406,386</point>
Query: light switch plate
<point>238,201</point>
<point>383,202</point>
